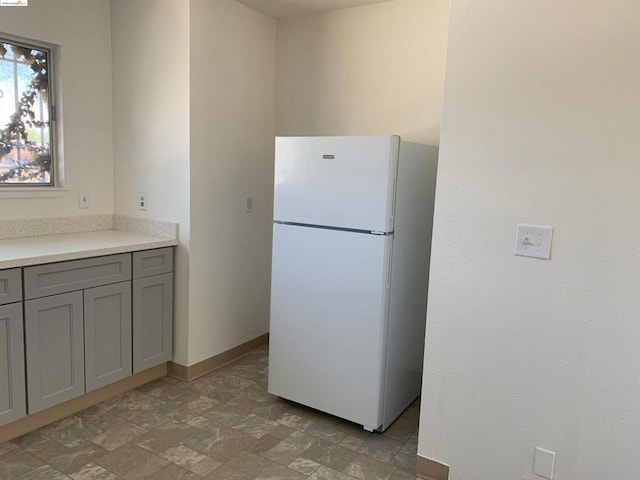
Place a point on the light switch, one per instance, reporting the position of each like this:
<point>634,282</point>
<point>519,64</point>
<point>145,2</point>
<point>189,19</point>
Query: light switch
<point>544,462</point>
<point>533,241</point>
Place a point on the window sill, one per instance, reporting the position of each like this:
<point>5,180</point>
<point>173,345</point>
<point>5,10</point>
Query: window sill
<point>33,192</point>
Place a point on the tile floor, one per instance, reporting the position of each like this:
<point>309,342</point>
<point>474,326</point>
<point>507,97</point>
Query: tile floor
<point>224,426</point>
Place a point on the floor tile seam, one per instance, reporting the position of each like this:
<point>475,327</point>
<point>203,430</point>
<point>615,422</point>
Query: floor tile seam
<point>79,469</point>
<point>342,472</point>
<point>46,464</point>
<point>31,469</point>
<point>39,455</point>
<point>89,440</point>
<point>206,457</point>
<point>12,450</point>
<point>133,444</point>
<point>271,462</point>
<point>125,419</point>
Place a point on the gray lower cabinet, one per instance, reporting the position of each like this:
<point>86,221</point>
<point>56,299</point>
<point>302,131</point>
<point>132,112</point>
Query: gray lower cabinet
<point>80,325</point>
<point>54,349</point>
<point>152,321</point>
<point>107,334</point>
<point>13,402</point>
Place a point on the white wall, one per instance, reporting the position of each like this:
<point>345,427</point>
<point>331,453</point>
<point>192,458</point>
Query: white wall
<point>374,70</point>
<point>194,93</point>
<point>540,125</point>
<point>151,126</point>
<point>82,30</point>
<point>232,130</point>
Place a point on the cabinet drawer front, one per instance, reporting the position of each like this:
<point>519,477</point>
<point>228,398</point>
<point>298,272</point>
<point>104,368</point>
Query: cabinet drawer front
<point>54,278</point>
<point>10,286</point>
<point>152,262</point>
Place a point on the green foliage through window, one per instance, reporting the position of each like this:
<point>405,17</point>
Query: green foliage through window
<point>25,115</point>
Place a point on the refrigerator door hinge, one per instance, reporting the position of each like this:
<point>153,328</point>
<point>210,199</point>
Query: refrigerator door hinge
<point>377,232</point>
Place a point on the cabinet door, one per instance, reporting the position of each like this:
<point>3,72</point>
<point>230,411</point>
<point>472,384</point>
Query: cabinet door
<point>55,350</point>
<point>152,321</point>
<point>12,390</point>
<point>107,334</point>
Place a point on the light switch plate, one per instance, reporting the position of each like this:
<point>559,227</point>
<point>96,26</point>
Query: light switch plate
<point>533,241</point>
<point>544,462</point>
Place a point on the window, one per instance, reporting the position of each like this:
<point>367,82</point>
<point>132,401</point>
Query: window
<point>26,132</point>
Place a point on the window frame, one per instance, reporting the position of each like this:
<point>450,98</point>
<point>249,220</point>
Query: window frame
<point>54,174</point>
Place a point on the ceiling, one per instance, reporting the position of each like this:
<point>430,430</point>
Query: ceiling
<point>292,8</point>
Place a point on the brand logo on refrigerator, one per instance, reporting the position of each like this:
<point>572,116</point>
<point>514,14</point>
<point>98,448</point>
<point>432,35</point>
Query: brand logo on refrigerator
<point>328,157</point>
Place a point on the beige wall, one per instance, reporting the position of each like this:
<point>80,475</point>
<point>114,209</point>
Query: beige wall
<point>374,70</point>
<point>151,126</point>
<point>540,125</point>
<point>82,30</point>
<point>198,137</point>
<point>232,130</point>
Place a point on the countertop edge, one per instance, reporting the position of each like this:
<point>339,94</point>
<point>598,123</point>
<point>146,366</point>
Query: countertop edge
<point>86,253</point>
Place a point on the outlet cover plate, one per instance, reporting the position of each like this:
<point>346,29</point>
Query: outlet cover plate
<point>248,204</point>
<point>533,241</point>
<point>83,199</point>
<point>142,201</point>
<point>544,462</point>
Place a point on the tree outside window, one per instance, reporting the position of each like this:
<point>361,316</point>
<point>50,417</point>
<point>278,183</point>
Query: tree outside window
<point>25,115</point>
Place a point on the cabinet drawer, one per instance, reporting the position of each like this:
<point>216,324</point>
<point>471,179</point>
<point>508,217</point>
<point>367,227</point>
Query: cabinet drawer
<point>152,262</point>
<point>10,286</point>
<point>51,279</point>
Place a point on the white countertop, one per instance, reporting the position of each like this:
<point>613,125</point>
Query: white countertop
<point>20,252</point>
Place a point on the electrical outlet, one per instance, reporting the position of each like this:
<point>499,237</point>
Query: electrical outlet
<point>248,204</point>
<point>83,199</point>
<point>142,201</point>
<point>544,462</point>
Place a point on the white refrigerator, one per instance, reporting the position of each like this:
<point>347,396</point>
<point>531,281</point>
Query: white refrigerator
<point>351,246</point>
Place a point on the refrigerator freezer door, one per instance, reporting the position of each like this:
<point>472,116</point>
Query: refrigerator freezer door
<point>346,182</point>
<point>329,302</point>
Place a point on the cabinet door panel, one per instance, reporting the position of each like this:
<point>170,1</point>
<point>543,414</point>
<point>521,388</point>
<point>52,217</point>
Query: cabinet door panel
<point>13,404</point>
<point>55,350</point>
<point>107,334</point>
<point>152,321</point>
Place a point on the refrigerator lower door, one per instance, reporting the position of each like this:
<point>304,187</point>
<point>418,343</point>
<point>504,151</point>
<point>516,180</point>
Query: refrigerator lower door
<point>329,306</point>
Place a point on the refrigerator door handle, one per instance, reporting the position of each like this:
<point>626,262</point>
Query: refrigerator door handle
<point>389,268</point>
<point>393,198</point>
